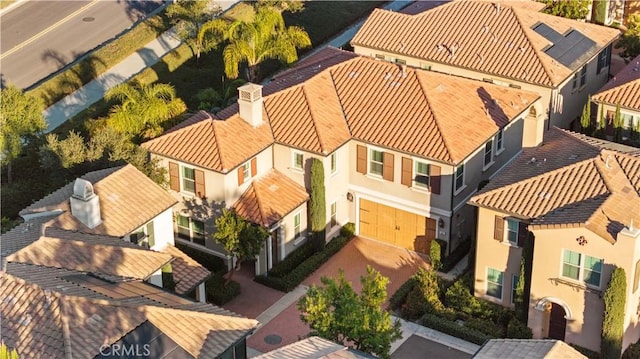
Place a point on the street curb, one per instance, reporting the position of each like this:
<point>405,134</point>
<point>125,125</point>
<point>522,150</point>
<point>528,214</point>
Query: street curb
<point>12,6</point>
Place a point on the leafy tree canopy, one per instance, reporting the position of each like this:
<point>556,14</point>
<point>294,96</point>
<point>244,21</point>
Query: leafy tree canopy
<point>336,312</point>
<point>188,17</point>
<point>630,41</point>
<point>282,5</point>
<point>572,9</point>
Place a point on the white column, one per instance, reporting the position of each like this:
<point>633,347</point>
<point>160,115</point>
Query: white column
<point>201,295</point>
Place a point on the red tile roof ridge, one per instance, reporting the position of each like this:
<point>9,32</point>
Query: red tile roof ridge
<point>313,111</point>
<point>626,75</point>
<point>436,119</point>
<point>538,52</point>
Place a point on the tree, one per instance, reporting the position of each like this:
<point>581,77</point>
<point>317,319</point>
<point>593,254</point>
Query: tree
<point>602,123</point>
<point>572,9</point>
<point>266,37</point>
<point>21,120</point>
<point>188,16</point>
<point>242,239</point>
<point>336,312</point>
<point>6,353</point>
<point>630,41</point>
<point>613,321</point>
<point>143,108</point>
<point>292,6</point>
<point>317,203</point>
<point>210,99</point>
<point>435,252</point>
<point>618,125</point>
<point>585,119</point>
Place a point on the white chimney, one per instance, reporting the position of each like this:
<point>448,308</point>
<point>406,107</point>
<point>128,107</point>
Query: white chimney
<point>250,103</point>
<point>85,204</point>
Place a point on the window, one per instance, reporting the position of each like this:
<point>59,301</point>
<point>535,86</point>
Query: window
<point>334,215</point>
<point>246,171</point>
<point>514,289</point>
<point>422,175</point>
<point>401,62</point>
<point>379,56</point>
<point>575,81</point>
<point>143,236</point>
<point>512,231</point>
<point>604,58</point>
<point>494,283</point>
<point>425,66</point>
<point>459,177</point>
<point>488,153</point>
<point>583,76</point>
<point>500,141</point>
<point>376,162</point>
<point>298,160</point>
<point>188,180</point>
<point>334,163</point>
<point>581,267</point>
<point>191,230</point>
<point>296,225</point>
<point>627,121</point>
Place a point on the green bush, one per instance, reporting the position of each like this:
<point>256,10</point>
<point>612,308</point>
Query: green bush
<point>485,326</point>
<point>415,305</point>
<point>454,329</point>
<point>588,352</point>
<point>213,263</point>
<point>613,321</point>
<point>399,297</point>
<point>632,352</point>
<point>435,253</point>
<point>348,230</point>
<point>292,260</point>
<point>518,330</point>
<point>219,293</point>
<point>452,259</point>
<point>459,297</point>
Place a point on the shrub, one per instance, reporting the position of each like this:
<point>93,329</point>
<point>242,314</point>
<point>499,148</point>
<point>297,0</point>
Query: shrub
<point>587,352</point>
<point>293,260</point>
<point>219,293</point>
<point>415,305</point>
<point>485,326</point>
<point>348,230</point>
<point>452,259</point>
<point>454,329</point>
<point>435,253</point>
<point>518,330</point>
<point>399,297</point>
<point>209,261</point>
<point>460,298</point>
<point>613,322</point>
<point>632,352</point>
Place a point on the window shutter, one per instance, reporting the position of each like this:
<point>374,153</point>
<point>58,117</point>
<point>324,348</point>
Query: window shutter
<point>407,172</point>
<point>387,166</point>
<point>150,234</point>
<point>434,178</point>
<point>200,189</point>
<point>254,167</point>
<point>174,176</point>
<point>361,160</point>
<point>240,175</point>
<point>636,277</point>
<point>498,230</point>
<point>522,233</point>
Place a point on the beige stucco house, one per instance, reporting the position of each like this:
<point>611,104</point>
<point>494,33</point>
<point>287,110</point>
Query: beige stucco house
<point>403,149</point>
<point>623,90</point>
<point>511,44</point>
<point>576,199</point>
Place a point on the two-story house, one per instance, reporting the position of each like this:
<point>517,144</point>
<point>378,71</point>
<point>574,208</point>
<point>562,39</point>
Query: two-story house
<point>622,90</point>
<point>403,149</point>
<point>121,206</point>
<point>506,43</point>
<point>576,200</point>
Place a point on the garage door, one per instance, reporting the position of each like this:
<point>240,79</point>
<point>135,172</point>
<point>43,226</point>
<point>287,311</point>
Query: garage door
<point>400,228</point>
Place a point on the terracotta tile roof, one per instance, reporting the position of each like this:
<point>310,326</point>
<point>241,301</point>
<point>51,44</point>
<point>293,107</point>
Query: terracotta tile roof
<point>527,348</point>
<point>21,236</point>
<point>42,323</point>
<point>218,145</point>
<point>487,39</point>
<point>110,256</point>
<point>623,89</point>
<point>187,273</point>
<point>128,200</point>
<point>554,187</point>
<point>269,198</point>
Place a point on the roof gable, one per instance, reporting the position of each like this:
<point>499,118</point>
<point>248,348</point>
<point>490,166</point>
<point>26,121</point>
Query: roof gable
<point>624,88</point>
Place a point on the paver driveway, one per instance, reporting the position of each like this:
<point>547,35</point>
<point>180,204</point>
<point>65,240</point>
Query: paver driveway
<point>395,263</point>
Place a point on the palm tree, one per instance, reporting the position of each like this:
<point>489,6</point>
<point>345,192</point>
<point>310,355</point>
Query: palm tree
<point>213,100</point>
<point>143,108</point>
<point>266,37</point>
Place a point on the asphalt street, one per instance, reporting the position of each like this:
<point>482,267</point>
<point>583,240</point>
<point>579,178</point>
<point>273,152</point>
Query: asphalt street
<point>40,37</point>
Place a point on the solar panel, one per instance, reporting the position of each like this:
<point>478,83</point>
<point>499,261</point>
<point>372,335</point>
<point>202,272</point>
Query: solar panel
<point>568,49</point>
<point>548,33</point>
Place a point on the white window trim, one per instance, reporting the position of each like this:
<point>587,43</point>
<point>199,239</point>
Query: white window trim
<point>330,215</point>
<point>248,177</point>
<point>294,167</point>
<point>182,178</point>
<point>415,173</point>
<point>580,279</point>
<point>191,231</point>
<point>457,191</point>
<point>505,238</point>
<point>369,159</point>
<point>485,166</point>
<point>486,287</point>
<point>301,237</point>
<point>499,150</point>
<point>333,171</point>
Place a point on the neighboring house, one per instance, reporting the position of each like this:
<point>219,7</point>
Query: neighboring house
<point>119,210</point>
<point>511,44</point>
<point>576,201</point>
<point>54,313</point>
<point>314,348</point>
<point>527,348</point>
<point>623,90</point>
<point>614,11</point>
<point>403,149</point>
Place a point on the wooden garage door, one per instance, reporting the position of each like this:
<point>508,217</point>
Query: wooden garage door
<point>395,226</point>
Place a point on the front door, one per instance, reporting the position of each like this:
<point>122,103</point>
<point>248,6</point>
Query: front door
<point>275,254</point>
<point>557,322</point>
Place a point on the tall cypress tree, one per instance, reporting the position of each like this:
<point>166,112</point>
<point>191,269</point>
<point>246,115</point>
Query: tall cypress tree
<point>613,322</point>
<point>617,125</point>
<point>317,203</point>
<point>585,119</point>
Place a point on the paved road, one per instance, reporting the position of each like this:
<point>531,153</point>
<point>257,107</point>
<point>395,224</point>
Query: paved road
<point>40,37</point>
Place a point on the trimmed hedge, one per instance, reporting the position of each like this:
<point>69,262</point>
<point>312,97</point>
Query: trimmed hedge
<point>588,352</point>
<point>348,230</point>
<point>209,261</point>
<point>292,279</point>
<point>452,259</point>
<point>518,330</point>
<point>399,297</point>
<point>293,260</point>
<point>219,293</point>
<point>455,329</point>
